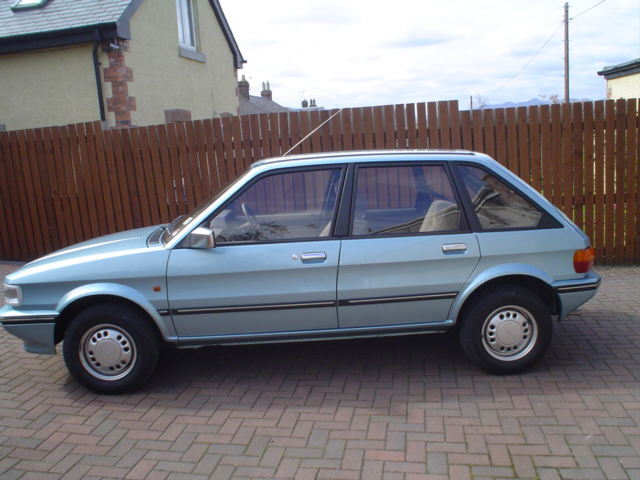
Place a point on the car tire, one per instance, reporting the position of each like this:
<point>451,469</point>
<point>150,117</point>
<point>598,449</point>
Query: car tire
<point>110,348</point>
<point>506,330</point>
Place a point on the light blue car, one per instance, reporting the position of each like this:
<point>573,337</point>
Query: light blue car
<point>316,247</point>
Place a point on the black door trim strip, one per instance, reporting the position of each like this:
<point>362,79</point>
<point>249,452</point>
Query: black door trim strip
<point>251,308</point>
<point>321,304</point>
<point>394,299</point>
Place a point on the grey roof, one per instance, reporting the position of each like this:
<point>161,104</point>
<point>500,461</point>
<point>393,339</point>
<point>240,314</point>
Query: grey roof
<point>58,15</point>
<point>621,69</point>
<point>259,105</point>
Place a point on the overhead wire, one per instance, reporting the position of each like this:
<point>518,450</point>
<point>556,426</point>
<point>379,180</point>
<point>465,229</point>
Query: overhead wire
<point>528,61</point>
<point>588,9</point>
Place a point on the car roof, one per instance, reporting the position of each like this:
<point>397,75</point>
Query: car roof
<point>371,155</point>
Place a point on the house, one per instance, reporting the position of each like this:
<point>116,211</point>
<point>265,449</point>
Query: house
<point>125,62</point>
<point>623,80</point>
<point>250,104</point>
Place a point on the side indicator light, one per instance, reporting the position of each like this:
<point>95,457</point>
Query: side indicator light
<point>156,288</point>
<point>583,259</point>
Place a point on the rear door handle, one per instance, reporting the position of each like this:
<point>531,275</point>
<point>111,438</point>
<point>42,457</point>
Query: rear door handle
<point>310,257</point>
<point>454,247</point>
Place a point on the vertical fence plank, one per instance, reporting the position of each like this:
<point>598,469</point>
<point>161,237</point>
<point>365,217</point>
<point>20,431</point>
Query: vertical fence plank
<point>433,133</point>
<point>54,179</point>
<point>501,136</point>
<point>335,131</point>
<point>465,130</point>
<point>238,154</point>
<point>389,127</point>
<point>6,214</point>
<point>477,131</point>
<point>444,125</point>
<point>153,170</point>
<point>610,183</point>
<point>577,142</point>
<point>556,155</point>
<point>31,206</point>
<point>229,157</point>
<point>632,238</point>
<point>566,175</point>
<point>254,140</point>
<point>358,129</point>
<point>423,135</point>
<point>347,129</point>
<point>620,206</point>
<point>368,132</point>
<point>524,144</point>
<point>489,130</point>
<point>378,118</point>
<point>454,117</point>
<point>412,133</point>
<point>534,147</point>
<point>195,157</point>
<point>113,179</point>
<point>19,227</point>
<point>513,162</point>
<point>589,197</point>
<point>598,234</point>
<point>168,188</point>
<point>401,127</point>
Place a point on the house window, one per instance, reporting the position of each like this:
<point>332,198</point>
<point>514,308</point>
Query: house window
<point>24,4</point>
<point>186,24</point>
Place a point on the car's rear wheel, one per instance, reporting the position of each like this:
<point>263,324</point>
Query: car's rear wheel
<point>110,348</point>
<point>507,330</point>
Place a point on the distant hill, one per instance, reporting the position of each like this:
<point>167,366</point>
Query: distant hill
<point>530,102</point>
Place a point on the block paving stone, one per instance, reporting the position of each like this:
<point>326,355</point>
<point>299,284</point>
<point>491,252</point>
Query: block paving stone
<point>410,408</point>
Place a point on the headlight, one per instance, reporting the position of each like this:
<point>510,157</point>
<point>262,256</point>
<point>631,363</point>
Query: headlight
<point>12,294</point>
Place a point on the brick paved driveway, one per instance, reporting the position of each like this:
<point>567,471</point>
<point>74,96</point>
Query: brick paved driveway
<point>400,408</point>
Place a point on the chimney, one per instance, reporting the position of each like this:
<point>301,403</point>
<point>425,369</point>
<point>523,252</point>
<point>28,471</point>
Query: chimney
<point>243,88</point>
<point>305,103</point>
<point>266,91</point>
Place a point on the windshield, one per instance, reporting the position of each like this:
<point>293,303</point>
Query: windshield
<point>183,221</point>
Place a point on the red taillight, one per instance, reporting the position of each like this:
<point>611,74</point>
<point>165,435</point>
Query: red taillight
<point>583,260</point>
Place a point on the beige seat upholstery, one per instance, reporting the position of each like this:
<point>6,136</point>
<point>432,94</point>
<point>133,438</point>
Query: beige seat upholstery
<point>441,216</point>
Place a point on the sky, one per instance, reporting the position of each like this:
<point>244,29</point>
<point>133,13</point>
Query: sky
<point>347,53</point>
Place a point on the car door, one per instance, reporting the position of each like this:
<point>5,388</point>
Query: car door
<point>409,251</point>
<point>274,265</point>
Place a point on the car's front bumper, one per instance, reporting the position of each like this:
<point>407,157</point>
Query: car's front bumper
<point>573,293</point>
<point>34,327</point>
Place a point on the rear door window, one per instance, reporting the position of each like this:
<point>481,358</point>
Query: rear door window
<point>397,200</point>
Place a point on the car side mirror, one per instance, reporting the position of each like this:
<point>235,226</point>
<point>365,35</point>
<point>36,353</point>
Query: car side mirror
<point>201,237</point>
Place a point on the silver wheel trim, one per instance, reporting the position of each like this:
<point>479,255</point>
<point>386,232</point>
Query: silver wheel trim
<point>107,352</point>
<point>509,333</point>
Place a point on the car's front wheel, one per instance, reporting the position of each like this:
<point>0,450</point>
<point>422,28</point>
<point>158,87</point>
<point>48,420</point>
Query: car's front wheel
<point>507,330</point>
<point>110,348</point>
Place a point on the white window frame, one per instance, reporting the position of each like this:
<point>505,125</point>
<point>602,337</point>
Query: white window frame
<point>186,24</point>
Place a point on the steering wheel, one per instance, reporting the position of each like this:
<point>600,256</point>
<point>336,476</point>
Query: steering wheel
<point>249,213</point>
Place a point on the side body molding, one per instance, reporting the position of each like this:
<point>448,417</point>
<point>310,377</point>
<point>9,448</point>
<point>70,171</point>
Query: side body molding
<point>164,323</point>
<point>487,274</point>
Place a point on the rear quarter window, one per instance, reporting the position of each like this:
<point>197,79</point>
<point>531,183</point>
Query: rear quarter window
<point>496,205</point>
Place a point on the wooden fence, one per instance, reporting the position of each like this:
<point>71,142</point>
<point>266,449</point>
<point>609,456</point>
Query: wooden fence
<point>62,185</point>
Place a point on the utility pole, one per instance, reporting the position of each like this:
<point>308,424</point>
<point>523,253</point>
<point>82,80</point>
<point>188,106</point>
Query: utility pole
<point>566,52</point>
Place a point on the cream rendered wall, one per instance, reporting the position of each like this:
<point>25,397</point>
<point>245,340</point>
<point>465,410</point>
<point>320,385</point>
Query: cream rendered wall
<point>164,80</point>
<point>48,87</point>
<point>624,87</point>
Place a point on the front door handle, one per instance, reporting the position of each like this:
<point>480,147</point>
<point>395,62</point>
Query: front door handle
<point>454,247</point>
<point>310,257</point>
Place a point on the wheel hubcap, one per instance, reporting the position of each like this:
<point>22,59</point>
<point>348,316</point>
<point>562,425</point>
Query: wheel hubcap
<point>509,333</point>
<point>107,352</point>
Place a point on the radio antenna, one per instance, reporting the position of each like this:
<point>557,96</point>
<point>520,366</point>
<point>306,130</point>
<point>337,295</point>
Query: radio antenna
<point>311,133</point>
